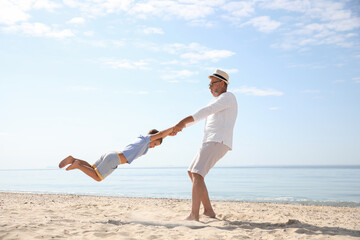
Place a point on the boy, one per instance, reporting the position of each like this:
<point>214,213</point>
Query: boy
<point>109,161</point>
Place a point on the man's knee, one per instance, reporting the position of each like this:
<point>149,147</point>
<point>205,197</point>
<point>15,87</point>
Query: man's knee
<point>197,177</point>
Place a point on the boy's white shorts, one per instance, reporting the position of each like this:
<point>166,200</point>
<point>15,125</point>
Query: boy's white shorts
<point>207,156</point>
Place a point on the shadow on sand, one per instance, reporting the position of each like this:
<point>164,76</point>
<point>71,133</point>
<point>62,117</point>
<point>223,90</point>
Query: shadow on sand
<point>302,228</point>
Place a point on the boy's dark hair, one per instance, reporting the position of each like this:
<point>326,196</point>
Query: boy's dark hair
<point>153,131</point>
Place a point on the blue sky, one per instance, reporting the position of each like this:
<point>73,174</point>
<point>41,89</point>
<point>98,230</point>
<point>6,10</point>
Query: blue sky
<point>87,77</point>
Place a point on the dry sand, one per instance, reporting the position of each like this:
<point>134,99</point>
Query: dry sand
<point>42,216</point>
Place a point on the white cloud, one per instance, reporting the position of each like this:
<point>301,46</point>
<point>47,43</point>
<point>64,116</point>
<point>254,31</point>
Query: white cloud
<point>99,8</point>
<point>45,4</point>
<point>274,108</point>
<point>239,9</point>
<point>39,30</point>
<point>89,33</point>
<point>195,52</point>
<point>311,91</point>
<point>176,75</point>
<point>126,64</point>
<point>153,30</point>
<point>288,5</point>
<point>320,23</point>
<point>187,10</point>
<point>166,9</point>
<point>356,79</point>
<point>141,92</point>
<point>84,89</point>
<point>15,11</point>
<point>212,55</point>
<point>76,20</point>
<point>253,91</point>
<point>264,24</point>
<point>11,13</point>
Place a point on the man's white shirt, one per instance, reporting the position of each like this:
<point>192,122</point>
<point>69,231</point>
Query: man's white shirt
<point>220,116</point>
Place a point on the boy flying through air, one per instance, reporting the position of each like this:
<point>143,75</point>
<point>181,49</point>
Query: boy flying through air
<point>108,162</point>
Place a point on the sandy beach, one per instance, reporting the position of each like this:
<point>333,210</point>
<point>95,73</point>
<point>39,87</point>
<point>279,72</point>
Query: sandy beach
<point>43,216</point>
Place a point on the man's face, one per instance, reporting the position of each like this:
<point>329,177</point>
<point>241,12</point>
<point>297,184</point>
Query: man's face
<point>216,86</point>
<point>154,143</point>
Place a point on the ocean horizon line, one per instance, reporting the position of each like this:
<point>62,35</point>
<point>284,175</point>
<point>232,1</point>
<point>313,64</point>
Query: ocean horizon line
<point>216,167</point>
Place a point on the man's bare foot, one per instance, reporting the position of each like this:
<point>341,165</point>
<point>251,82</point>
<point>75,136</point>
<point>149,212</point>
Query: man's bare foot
<point>210,214</point>
<point>66,161</point>
<point>74,165</point>
<point>192,217</point>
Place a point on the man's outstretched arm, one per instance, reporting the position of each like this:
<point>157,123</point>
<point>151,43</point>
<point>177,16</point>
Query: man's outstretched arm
<point>182,124</point>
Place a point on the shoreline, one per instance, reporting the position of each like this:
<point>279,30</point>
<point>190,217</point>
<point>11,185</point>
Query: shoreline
<point>305,202</point>
<point>29,216</point>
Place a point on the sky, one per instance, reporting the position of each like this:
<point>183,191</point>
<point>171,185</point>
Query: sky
<point>83,78</point>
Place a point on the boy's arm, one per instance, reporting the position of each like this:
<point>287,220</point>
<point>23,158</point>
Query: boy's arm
<point>161,134</point>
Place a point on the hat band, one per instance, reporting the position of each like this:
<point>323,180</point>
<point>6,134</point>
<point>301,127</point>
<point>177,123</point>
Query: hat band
<point>219,76</point>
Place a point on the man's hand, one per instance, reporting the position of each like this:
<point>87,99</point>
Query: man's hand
<point>181,125</point>
<point>178,128</point>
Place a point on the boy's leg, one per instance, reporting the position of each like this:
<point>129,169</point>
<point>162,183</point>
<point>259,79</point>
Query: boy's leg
<point>70,160</point>
<point>85,167</point>
<point>66,161</point>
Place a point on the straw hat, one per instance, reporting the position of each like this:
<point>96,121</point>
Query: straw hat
<point>220,74</point>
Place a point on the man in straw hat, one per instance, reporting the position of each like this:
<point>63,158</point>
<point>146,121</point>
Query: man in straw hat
<point>220,115</point>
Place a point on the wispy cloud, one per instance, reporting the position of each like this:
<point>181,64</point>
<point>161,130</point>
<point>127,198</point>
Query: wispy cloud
<point>195,52</point>
<point>310,91</point>
<point>301,24</point>
<point>274,108</point>
<point>322,23</point>
<point>356,79</point>
<point>238,10</point>
<point>153,30</point>
<point>176,76</point>
<point>12,12</point>
<point>253,91</point>
<point>76,20</point>
<point>140,92</point>
<point>40,30</point>
<point>84,89</point>
<point>263,24</point>
<point>127,64</point>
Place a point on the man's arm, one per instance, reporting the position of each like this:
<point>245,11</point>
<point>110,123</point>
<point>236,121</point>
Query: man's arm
<point>161,134</point>
<point>181,125</point>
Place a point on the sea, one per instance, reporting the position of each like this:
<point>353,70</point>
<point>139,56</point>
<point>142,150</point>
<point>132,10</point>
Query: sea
<point>305,185</point>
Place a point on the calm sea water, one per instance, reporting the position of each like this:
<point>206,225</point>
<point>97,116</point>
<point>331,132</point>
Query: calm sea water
<point>338,186</point>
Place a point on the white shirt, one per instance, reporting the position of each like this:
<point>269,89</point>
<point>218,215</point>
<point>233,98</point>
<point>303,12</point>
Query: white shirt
<point>220,116</point>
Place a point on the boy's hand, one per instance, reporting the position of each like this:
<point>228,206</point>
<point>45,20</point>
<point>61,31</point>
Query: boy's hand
<point>177,128</point>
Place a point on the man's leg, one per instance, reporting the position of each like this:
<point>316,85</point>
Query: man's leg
<point>198,189</point>
<point>205,200</point>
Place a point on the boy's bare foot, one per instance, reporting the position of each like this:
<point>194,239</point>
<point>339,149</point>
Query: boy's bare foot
<point>66,161</point>
<point>192,217</point>
<point>74,165</point>
<point>210,214</point>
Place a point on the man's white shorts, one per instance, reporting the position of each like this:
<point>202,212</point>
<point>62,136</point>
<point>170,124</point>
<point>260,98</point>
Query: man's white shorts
<point>207,156</point>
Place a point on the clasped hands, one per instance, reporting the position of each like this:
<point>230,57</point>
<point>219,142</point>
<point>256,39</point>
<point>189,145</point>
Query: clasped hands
<point>177,128</point>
